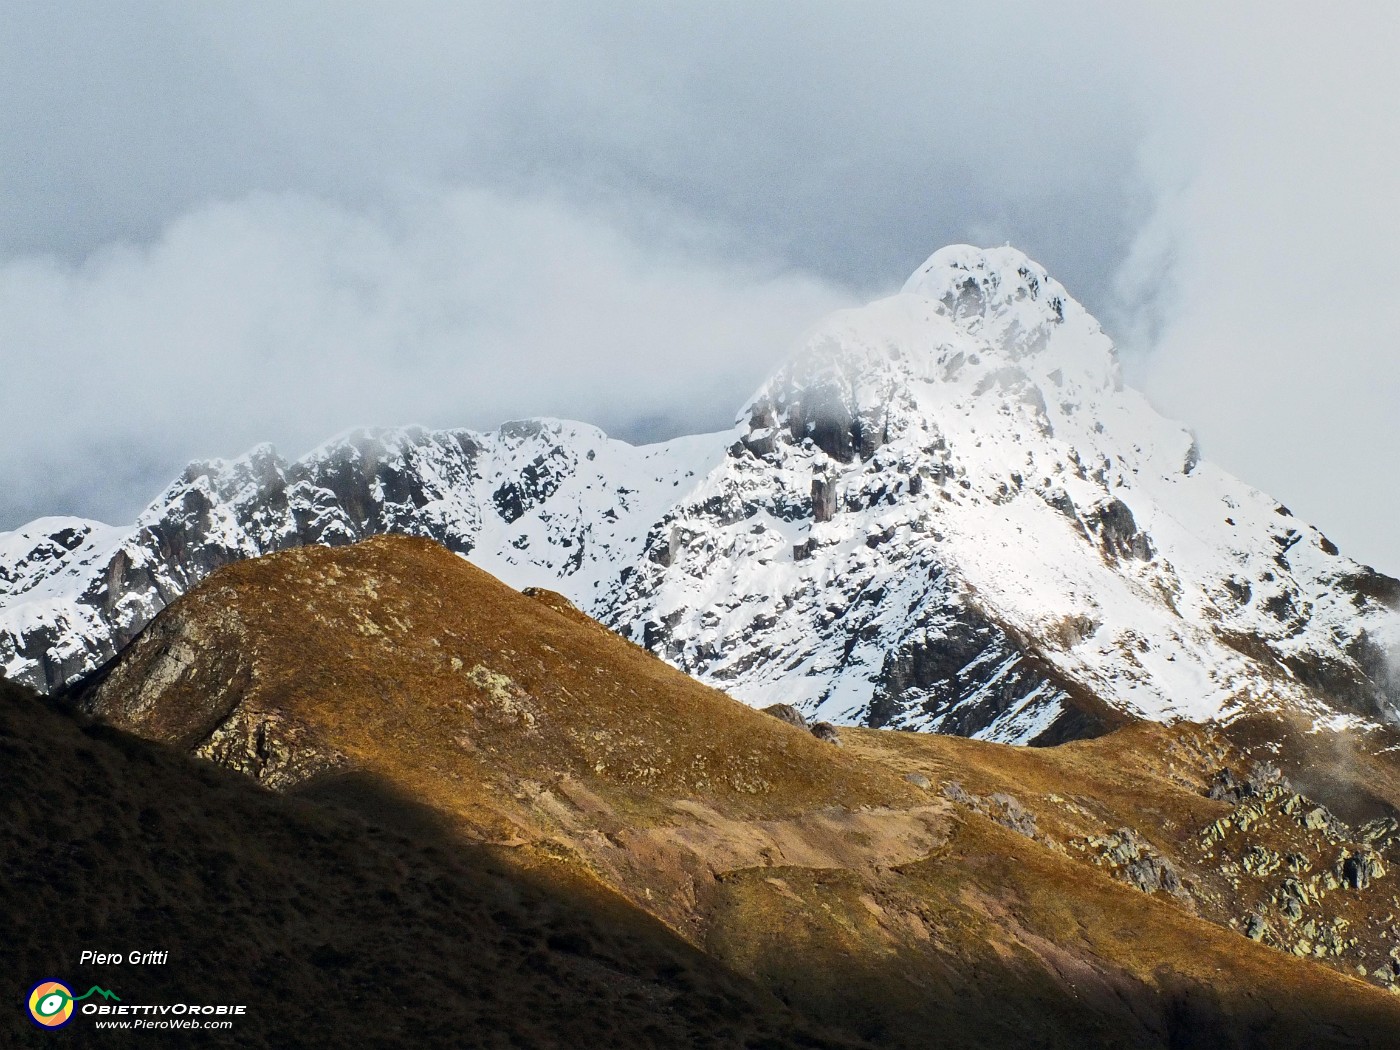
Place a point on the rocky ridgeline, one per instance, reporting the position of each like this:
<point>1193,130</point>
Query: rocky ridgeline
<point>1278,867</point>
<point>1122,852</point>
<point>532,502</point>
<point>998,807</point>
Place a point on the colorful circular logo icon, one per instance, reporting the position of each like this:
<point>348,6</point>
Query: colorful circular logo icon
<point>50,1004</point>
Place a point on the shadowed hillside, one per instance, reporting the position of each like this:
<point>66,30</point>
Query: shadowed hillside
<point>896,890</point>
<point>334,929</point>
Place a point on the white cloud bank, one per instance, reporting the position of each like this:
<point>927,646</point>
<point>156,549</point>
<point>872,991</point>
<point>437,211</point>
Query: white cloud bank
<point>283,318</point>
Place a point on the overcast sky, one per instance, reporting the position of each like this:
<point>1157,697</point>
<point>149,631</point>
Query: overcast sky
<point>227,223</point>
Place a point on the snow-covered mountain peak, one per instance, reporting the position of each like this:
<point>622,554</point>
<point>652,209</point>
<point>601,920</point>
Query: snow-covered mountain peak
<point>1023,314</point>
<point>1005,272</point>
<point>981,341</point>
<point>947,512</point>
<point>978,286</point>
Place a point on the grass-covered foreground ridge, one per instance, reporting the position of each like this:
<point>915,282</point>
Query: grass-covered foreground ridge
<point>465,816</point>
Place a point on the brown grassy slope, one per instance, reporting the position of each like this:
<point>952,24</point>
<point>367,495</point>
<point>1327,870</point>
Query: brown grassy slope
<point>334,931</point>
<point>523,719</point>
<point>990,943</point>
<point>1146,776</point>
<point>406,659</point>
<point>870,904</point>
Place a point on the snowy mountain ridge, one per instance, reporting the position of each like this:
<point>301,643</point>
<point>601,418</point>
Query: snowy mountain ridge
<point>533,501</point>
<point>944,512</point>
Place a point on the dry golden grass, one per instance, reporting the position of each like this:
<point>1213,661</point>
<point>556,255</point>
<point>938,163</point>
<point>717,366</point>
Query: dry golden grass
<point>876,908</point>
<point>415,664</point>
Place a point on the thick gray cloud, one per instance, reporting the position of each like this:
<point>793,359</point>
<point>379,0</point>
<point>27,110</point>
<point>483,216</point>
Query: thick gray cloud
<point>221,223</point>
<point>849,140</point>
<point>235,223</point>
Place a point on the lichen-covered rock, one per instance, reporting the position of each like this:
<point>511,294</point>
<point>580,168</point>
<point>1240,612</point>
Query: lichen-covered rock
<point>953,791</point>
<point>1134,860</point>
<point>1357,870</point>
<point>1381,834</point>
<point>789,714</point>
<point>828,732</point>
<point>1262,777</point>
<point>1256,927</point>
<point>1008,811</point>
<point>1001,808</point>
<point>1316,819</point>
<point>274,750</point>
<point>1259,861</point>
<point>1226,787</point>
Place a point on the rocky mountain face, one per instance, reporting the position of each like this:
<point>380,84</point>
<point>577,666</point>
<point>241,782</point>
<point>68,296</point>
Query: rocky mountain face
<point>945,512</point>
